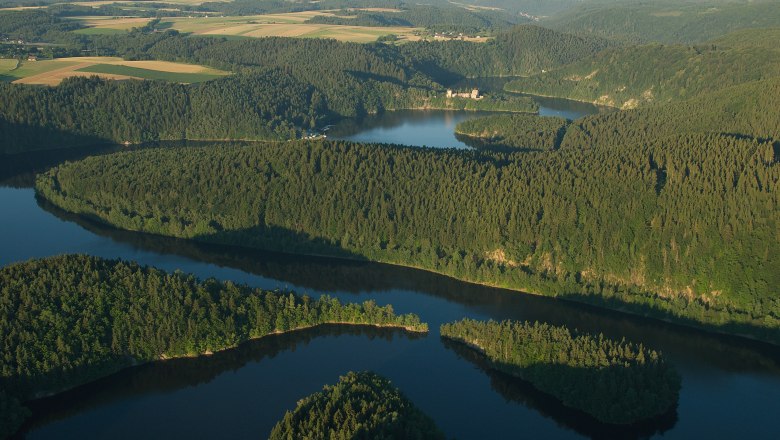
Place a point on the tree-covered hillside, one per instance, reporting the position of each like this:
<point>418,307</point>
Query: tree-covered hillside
<point>268,106</point>
<point>525,132</point>
<point>763,37</point>
<point>632,76</point>
<point>665,21</point>
<point>523,50</point>
<point>628,213</point>
<point>70,319</point>
<point>361,405</point>
<point>445,18</point>
<point>279,89</point>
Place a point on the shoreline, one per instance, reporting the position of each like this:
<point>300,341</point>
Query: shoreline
<point>497,366</point>
<point>517,92</point>
<point>428,107</point>
<point>702,327</point>
<point>162,358</point>
<point>127,145</point>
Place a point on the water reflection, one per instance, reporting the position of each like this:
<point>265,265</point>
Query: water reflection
<point>352,280</point>
<point>430,128</point>
<point>241,393</point>
<point>171,375</point>
<point>19,170</point>
<point>436,128</point>
<point>522,392</point>
<point>564,108</point>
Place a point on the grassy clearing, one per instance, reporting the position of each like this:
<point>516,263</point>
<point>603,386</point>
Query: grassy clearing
<point>137,72</point>
<point>52,72</point>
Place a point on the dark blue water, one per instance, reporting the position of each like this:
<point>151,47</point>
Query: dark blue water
<point>730,386</point>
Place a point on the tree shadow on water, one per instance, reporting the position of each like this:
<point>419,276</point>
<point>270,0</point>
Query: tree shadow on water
<point>519,391</point>
<point>176,374</point>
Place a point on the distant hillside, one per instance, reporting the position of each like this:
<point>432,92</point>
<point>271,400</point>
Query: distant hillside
<point>767,38</point>
<point>629,77</point>
<point>523,50</point>
<point>531,7</point>
<point>666,21</point>
<point>746,111</point>
<point>445,19</point>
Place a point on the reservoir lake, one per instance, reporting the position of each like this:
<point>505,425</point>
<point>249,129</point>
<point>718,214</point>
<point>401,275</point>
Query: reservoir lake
<point>730,386</point>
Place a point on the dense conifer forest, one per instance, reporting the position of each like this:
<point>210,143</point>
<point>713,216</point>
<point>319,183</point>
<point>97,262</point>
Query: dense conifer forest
<point>432,18</point>
<point>633,76</point>
<point>91,110</point>
<point>667,207</point>
<point>614,381</point>
<point>665,21</point>
<point>278,91</point>
<point>622,214</point>
<point>361,405</point>
<point>522,50</point>
<point>515,131</point>
<point>70,319</point>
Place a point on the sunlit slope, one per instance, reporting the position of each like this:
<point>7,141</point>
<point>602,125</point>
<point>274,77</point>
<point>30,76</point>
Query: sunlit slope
<point>631,211</point>
<point>633,76</point>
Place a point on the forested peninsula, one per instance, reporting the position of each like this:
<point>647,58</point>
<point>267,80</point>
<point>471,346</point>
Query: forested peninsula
<point>616,382</point>
<point>361,405</point>
<point>524,132</point>
<point>71,319</point>
<point>638,210</point>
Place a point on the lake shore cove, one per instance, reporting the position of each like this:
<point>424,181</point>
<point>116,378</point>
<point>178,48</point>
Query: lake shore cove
<point>71,319</point>
<point>615,382</point>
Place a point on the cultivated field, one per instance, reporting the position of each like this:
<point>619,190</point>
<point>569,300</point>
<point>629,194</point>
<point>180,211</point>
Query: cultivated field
<point>7,65</point>
<point>52,72</point>
<point>254,26</point>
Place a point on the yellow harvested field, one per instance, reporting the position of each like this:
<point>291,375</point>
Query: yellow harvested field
<point>470,7</point>
<point>52,72</point>
<point>257,26</point>
<point>22,8</point>
<point>166,66</point>
<point>667,14</point>
<point>119,2</point>
<point>54,77</point>
<point>361,34</point>
<point>375,9</point>
<point>121,23</point>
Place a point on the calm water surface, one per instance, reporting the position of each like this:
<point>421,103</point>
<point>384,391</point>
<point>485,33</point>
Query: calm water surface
<point>436,128</point>
<point>730,386</point>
